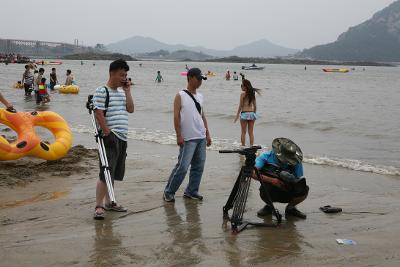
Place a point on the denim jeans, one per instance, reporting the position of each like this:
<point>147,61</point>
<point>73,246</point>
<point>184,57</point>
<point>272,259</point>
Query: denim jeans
<point>193,154</point>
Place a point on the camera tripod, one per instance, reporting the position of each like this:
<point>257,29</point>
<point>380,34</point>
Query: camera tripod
<point>102,151</point>
<point>238,197</point>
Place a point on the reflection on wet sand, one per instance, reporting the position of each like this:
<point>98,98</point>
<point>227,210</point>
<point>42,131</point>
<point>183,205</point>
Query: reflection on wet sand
<point>276,243</point>
<point>37,198</point>
<point>107,245</point>
<point>187,245</point>
<point>259,245</point>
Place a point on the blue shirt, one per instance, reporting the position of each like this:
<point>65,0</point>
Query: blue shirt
<point>117,115</point>
<point>270,157</point>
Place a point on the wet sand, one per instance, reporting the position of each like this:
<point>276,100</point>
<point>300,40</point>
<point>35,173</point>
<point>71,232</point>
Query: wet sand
<point>48,220</point>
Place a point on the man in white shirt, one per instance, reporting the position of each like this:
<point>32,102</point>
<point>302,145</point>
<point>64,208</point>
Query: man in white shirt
<point>192,136</point>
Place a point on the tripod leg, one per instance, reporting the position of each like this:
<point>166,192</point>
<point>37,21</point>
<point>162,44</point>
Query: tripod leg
<point>103,160</point>
<point>107,175</point>
<point>275,212</point>
<point>229,203</point>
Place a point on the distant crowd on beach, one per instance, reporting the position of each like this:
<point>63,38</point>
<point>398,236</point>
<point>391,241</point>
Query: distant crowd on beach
<point>13,58</point>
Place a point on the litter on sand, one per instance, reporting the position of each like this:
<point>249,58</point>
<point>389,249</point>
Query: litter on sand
<point>346,242</point>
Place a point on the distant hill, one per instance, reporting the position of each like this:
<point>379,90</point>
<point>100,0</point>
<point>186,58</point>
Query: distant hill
<point>298,61</point>
<point>175,55</point>
<point>377,39</point>
<point>261,48</point>
<point>99,56</point>
<point>139,45</point>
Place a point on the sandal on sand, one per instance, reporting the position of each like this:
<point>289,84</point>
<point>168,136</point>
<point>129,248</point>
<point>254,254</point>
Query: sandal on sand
<point>115,207</point>
<point>329,209</point>
<point>99,214</point>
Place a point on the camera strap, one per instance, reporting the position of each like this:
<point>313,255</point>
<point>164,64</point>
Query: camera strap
<point>107,102</point>
<point>197,104</point>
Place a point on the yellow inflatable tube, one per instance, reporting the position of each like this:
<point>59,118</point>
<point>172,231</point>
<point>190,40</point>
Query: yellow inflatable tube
<point>28,142</point>
<point>18,86</point>
<point>69,89</point>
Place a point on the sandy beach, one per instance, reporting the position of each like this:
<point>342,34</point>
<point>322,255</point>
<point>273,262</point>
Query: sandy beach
<point>46,217</point>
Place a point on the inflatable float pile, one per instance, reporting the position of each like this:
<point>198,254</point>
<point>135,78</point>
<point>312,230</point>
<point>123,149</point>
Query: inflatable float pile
<point>28,142</point>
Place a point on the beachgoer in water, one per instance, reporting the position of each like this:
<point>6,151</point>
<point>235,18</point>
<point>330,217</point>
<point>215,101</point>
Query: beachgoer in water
<point>284,160</point>
<point>44,95</point>
<point>38,80</point>
<point>186,67</point>
<point>114,128</point>
<point>235,76</point>
<point>70,78</point>
<point>247,111</point>
<point>242,75</point>
<point>53,78</point>
<point>228,75</point>
<point>27,80</point>
<point>192,137</point>
<point>159,77</point>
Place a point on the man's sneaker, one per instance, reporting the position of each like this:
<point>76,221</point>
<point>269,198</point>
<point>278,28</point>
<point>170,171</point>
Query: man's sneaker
<point>168,197</point>
<point>266,210</point>
<point>193,196</point>
<point>295,212</point>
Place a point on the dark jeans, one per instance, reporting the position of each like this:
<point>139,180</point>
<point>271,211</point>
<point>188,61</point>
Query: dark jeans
<point>281,196</point>
<point>116,156</point>
<point>28,88</point>
<point>38,97</point>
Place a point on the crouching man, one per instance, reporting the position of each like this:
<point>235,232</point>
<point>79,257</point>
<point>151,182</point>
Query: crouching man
<point>281,176</point>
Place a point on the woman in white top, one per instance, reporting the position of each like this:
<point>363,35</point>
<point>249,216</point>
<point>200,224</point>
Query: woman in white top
<point>247,111</point>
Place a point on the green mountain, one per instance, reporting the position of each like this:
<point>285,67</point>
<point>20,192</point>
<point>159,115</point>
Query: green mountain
<point>377,39</point>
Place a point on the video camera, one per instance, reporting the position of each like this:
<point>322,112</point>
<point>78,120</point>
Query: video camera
<point>89,103</point>
<point>291,182</point>
<point>249,153</point>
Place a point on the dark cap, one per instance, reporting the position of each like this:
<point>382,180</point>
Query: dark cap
<point>196,72</point>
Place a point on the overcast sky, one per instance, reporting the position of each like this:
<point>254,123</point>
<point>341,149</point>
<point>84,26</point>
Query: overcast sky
<point>218,24</point>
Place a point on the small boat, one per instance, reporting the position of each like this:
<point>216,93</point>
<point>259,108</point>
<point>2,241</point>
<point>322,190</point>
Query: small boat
<point>336,70</point>
<point>252,67</point>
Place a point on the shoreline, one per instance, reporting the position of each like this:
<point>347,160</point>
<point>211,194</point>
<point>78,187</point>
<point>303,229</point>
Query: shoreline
<point>56,212</point>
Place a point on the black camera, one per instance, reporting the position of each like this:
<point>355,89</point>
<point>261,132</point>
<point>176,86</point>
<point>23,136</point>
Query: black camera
<point>89,103</point>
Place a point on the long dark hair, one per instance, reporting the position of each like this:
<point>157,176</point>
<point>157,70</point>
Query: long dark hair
<point>250,91</point>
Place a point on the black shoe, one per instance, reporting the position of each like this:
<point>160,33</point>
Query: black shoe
<point>266,210</point>
<point>193,196</point>
<point>168,197</point>
<point>295,212</point>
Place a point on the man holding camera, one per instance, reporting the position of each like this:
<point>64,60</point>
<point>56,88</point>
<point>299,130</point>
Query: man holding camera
<point>282,178</point>
<point>112,103</point>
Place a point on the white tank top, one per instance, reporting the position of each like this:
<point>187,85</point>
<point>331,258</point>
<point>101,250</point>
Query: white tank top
<point>192,125</point>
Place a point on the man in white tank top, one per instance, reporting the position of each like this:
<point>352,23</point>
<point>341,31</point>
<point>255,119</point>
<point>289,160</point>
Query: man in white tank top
<point>192,136</point>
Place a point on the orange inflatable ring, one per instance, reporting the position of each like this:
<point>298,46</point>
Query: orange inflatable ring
<point>28,143</point>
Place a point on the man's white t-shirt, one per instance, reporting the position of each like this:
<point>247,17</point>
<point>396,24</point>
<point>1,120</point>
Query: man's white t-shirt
<point>192,124</point>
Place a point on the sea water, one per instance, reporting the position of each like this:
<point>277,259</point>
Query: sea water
<point>348,120</point>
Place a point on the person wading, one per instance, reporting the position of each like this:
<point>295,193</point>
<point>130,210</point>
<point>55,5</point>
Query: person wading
<point>247,111</point>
